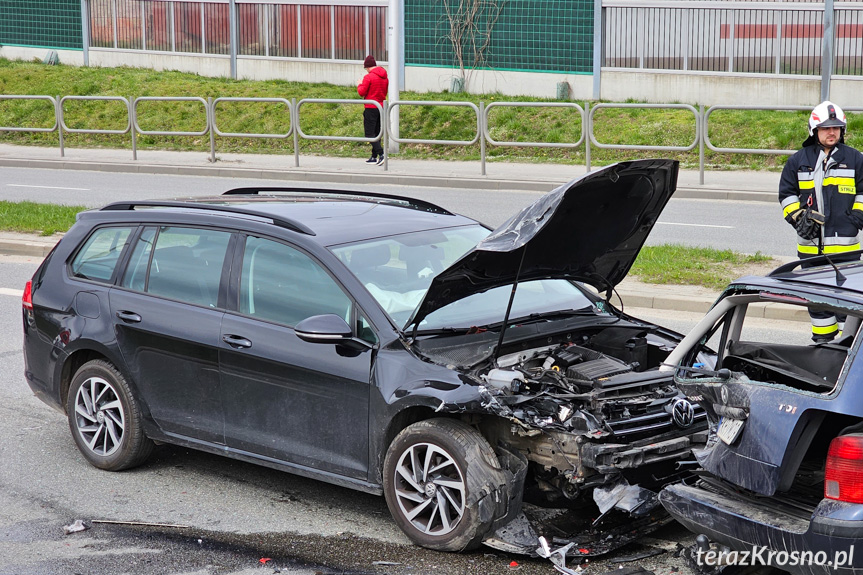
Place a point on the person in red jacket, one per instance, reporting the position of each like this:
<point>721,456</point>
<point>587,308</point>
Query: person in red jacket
<point>373,86</point>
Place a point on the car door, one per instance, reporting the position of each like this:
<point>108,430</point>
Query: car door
<point>167,317</point>
<point>286,399</point>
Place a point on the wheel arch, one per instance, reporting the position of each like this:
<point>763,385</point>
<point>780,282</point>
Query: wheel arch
<point>77,358</point>
<point>407,416</point>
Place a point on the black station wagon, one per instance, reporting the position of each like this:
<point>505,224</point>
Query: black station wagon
<point>481,381</point>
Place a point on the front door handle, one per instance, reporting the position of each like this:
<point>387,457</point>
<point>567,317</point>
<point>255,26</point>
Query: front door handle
<point>236,341</point>
<point>129,316</point>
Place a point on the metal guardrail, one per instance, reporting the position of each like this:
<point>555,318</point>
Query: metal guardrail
<point>20,129</point>
<point>380,136</point>
<point>712,109</point>
<point>600,145</point>
<point>61,117</point>
<point>215,131</point>
<point>483,135</point>
<point>139,130</point>
<point>487,132</point>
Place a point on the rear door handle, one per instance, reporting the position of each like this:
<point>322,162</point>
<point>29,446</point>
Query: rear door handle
<point>129,316</point>
<point>236,341</point>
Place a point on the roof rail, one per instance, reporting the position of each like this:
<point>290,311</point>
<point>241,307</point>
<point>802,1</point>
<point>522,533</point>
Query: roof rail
<point>411,202</point>
<point>278,221</point>
<point>813,261</point>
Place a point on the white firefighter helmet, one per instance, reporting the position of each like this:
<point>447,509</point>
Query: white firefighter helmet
<point>826,115</point>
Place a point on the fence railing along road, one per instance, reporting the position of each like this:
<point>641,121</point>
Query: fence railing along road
<point>587,138</point>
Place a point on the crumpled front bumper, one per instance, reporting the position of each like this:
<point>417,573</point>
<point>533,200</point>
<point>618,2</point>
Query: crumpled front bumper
<point>746,526</point>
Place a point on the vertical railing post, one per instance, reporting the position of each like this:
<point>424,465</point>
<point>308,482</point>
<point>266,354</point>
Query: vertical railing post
<point>295,124</point>
<point>58,114</point>
<point>133,122</point>
<point>587,133</point>
<point>481,126</point>
<point>211,121</point>
<point>702,121</point>
<point>385,134</point>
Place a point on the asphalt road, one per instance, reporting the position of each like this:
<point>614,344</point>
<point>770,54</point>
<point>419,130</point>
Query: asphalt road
<point>746,227</point>
<point>235,514</point>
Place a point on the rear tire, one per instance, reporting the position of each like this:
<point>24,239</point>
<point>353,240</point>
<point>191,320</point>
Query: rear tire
<point>435,473</point>
<point>105,419</point>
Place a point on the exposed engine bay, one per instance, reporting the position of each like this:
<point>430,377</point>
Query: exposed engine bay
<point>600,428</point>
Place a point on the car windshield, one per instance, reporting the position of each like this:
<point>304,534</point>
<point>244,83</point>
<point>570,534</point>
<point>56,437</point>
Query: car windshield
<point>397,271</point>
<point>539,298</point>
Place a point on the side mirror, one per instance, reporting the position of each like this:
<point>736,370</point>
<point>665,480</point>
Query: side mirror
<point>327,328</point>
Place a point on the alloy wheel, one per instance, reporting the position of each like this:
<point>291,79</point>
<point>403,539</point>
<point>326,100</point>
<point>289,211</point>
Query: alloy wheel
<point>99,416</point>
<point>430,489</point>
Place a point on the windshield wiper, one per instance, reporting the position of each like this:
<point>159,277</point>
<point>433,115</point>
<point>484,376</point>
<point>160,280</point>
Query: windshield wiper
<point>585,311</point>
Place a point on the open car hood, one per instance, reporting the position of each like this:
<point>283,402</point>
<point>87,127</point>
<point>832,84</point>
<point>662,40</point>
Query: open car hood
<point>590,229</point>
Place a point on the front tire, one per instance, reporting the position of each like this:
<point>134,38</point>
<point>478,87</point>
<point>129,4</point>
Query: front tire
<point>105,419</point>
<point>435,474</point>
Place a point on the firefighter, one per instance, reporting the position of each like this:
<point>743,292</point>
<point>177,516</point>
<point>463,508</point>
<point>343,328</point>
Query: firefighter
<point>821,193</point>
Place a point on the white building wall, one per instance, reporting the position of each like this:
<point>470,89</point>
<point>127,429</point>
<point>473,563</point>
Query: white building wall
<point>710,88</point>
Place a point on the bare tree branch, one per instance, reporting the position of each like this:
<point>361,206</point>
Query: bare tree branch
<point>469,25</point>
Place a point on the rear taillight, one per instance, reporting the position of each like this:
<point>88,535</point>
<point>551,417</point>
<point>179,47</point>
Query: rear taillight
<point>27,298</point>
<point>843,478</point>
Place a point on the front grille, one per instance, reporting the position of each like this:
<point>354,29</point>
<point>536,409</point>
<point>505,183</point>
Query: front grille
<point>653,423</point>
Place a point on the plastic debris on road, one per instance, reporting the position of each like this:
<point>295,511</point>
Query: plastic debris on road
<point>75,527</point>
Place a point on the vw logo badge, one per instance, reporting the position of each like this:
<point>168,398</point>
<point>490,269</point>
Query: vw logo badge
<point>723,393</point>
<point>682,413</point>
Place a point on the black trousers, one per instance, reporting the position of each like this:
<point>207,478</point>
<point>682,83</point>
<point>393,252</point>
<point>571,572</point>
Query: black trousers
<point>372,127</point>
<point>825,324</point>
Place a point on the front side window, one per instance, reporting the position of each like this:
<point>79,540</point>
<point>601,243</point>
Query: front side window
<point>283,285</point>
<point>99,255</point>
<point>184,264</point>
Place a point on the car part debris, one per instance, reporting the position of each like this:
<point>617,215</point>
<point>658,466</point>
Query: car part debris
<point>75,527</point>
<point>385,563</point>
<point>630,498</point>
<point>556,556</point>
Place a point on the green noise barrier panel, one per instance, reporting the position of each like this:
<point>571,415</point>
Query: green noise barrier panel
<point>529,35</point>
<point>52,24</point>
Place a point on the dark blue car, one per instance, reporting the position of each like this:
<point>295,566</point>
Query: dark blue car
<point>781,477</point>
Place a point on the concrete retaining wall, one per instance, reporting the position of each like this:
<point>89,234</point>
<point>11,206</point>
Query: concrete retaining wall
<point>618,85</point>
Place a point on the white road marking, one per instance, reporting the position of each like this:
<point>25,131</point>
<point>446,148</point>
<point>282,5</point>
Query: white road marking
<point>695,225</point>
<point>48,187</point>
<point>13,292</point>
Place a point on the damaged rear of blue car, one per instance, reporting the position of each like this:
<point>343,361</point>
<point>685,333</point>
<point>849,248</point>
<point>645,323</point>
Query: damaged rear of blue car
<point>781,478</point>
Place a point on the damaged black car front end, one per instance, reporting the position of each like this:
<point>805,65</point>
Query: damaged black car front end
<point>564,387</point>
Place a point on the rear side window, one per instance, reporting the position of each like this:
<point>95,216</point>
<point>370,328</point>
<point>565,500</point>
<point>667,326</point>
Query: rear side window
<point>184,264</point>
<point>97,259</point>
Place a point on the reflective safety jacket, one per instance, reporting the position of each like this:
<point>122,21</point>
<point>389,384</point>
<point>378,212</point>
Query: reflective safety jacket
<point>840,199</point>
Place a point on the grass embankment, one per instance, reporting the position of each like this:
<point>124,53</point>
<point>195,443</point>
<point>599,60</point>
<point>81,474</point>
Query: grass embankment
<point>31,217</point>
<point>728,128</point>
<point>707,267</point>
